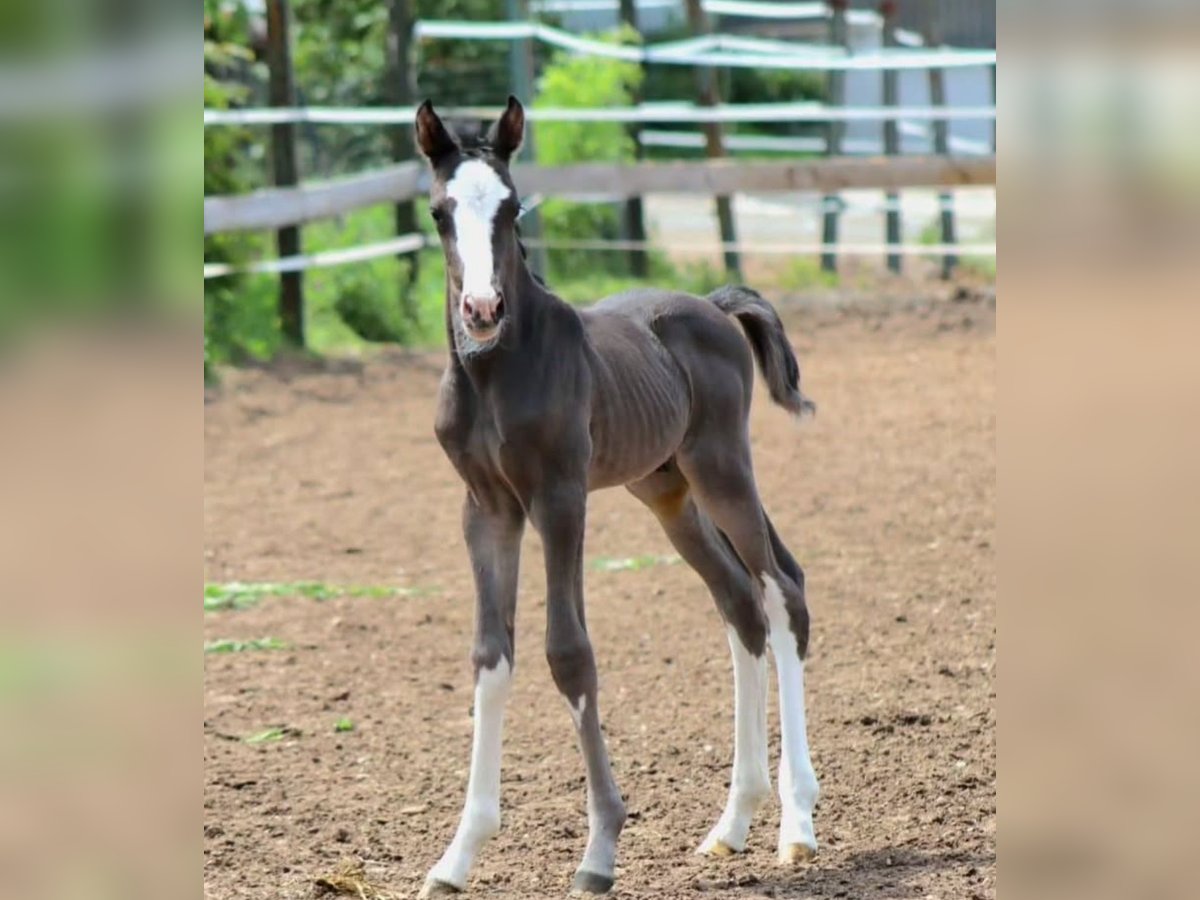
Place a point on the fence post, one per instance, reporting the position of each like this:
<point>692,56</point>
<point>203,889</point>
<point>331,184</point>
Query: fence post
<point>941,136</point>
<point>891,131</point>
<point>709,94</point>
<point>521,71</point>
<point>398,89</point>
<point>634,219</point>
<point>831,203</point>
<point>281,92</point>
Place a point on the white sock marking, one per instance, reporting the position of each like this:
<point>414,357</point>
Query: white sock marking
<point>477,192</point>
<point>797,780</point>
<point>481,813</point>
<point>578,711</point>
<point>751,781</point>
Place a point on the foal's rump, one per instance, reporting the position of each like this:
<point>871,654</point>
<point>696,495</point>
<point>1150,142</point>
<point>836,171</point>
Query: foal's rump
<point>668,366</point>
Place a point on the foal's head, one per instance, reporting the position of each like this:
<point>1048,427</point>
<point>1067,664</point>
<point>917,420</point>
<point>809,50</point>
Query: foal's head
<point>475,205</point>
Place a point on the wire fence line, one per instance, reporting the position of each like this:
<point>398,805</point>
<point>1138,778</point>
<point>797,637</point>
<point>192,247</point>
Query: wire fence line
<point>413,242</point>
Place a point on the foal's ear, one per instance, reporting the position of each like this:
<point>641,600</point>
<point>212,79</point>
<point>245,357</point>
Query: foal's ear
<point>506,135</point>
<point>433,137</point>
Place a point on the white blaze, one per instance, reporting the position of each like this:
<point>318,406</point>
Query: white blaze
<point>477,192</point>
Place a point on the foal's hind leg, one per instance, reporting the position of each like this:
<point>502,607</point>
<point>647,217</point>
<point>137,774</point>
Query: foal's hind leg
<point>702,546</point>
<point>720,474</point>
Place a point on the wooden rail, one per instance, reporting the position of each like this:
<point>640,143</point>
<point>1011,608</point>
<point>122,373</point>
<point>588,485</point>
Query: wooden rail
<point>268,209</point>
<point>271,208</point>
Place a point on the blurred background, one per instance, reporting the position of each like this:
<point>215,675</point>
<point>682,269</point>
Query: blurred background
<point>321,95</point>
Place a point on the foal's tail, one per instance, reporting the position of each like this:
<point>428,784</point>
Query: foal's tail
<point>765,331</point>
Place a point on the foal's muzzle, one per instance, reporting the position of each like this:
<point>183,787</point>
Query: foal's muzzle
<point>481,315</point>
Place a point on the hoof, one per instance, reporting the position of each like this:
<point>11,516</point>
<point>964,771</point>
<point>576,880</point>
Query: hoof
<point>795,854</point>
<point>716,848</point>
<point>586,882</point>
<point>435,888</point>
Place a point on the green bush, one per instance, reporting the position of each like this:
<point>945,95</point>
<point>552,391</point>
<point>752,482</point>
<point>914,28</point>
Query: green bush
<point>240,319</point>
<point>570,82</point>
<point>805,273</point>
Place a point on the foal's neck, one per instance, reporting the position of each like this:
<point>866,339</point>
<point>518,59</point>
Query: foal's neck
<point>527,300</point>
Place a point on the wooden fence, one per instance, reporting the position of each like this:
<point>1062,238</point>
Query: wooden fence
<point>278,207</point>
<point>289,205</point>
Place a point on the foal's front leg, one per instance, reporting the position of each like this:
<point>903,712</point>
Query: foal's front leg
<point>494,541</point>
<point>559,516</point>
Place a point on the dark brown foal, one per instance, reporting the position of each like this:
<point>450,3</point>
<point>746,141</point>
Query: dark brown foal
<point>542,403</point>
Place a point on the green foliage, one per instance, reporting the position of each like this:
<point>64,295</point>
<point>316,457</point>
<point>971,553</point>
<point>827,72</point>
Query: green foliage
<point>240,321</point>
<point>805,273</point>
<point>572,82</point>
<point>471,73</point>
<point>373,301</point>
<point>241,594</point>
<point>343,725</point>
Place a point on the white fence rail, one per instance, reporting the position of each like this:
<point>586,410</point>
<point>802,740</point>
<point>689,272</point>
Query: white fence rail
<point>717,50</point>
<point>646,112</point>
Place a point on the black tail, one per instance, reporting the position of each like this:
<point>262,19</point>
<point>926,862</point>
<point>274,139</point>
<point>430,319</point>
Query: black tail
<point>775,358</point>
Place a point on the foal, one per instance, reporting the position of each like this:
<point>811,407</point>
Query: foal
<point>542,403</point>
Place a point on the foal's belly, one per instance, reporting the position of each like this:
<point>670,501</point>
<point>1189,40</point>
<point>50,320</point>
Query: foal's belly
<point>640,403</point>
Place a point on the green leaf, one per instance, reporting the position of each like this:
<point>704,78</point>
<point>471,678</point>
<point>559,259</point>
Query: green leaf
<point>343,724</point>
<point>269,736</point>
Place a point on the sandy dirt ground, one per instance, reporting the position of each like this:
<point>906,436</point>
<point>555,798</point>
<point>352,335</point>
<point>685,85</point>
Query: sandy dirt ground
<point>331,473</point>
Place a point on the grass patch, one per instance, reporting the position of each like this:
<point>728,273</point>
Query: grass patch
<point>272,735</point>
<point>804,273</point>
<point>227,645</point>
<point>632,563</point>
<point>983,267</point>
<point>244,594</point>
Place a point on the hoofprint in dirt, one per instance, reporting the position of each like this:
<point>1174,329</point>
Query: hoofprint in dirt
<point>332,475</point>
